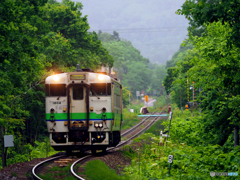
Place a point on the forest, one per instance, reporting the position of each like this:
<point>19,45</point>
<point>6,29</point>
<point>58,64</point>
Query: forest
<point>41,38</point>
<point>209,61</point>
<point>203,73</point>
<point>135,72</point>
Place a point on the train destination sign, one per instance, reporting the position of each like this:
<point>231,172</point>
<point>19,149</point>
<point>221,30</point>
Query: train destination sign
<point>77,77</point>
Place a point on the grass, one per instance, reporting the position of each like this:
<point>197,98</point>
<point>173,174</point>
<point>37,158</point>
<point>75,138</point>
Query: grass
<point>97,170</point>
<point>129,119</point>
<point>56,173</point>
<point>156,128</point>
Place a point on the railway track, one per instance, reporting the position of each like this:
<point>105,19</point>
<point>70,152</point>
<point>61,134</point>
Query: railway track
<point>145,123</point>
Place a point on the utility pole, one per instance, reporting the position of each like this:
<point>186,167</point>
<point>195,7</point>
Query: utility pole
<point>129,101</point>
<point>181,101</point>
<point>199,90</point>
<point>187,88</point>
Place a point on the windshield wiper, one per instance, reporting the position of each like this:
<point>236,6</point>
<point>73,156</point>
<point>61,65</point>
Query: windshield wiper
<point>95,93</point>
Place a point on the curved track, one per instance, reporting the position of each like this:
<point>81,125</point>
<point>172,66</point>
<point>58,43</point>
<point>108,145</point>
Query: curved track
<point>88,156</point>
<point>120,144</point>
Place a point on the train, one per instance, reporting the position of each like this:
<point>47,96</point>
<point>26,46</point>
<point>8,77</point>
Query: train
<point>83,111</point>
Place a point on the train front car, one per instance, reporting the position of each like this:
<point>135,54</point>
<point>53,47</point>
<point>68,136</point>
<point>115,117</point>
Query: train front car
<point>83,111</point>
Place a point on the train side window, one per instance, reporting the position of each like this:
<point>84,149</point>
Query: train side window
<point>77,92</point>
<point>46,89</point>
<point>57,89</point>
<point>109,89</point>
<point>98,89</point>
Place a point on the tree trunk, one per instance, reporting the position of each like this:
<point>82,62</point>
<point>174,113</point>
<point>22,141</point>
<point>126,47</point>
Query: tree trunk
<point>236,135</point>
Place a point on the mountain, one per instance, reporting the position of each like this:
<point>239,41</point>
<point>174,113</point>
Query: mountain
<point>152,26</point>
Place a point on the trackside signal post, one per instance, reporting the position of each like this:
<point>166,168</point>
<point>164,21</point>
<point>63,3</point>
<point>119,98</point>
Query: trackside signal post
<point>146,98</point>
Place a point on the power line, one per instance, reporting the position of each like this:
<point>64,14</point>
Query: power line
<point>143,30</point>
<point>166,27</point>
<point>156,44</point>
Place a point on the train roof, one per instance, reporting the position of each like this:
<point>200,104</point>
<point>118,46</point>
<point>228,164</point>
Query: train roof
<point>90,77</point>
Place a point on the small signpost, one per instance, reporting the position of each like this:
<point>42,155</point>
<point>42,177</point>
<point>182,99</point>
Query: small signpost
<point>170,160</point>
<point>137,94</point>
<point>154,92</point>
<point>7,142</point>
<point>165,135</point>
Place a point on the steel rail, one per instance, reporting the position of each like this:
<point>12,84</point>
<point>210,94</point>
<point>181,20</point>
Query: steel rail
<point>137,125</point>
<point>41,163</point>
<point>85,157</point>
<point>120,144</point>
<point>35,176</point>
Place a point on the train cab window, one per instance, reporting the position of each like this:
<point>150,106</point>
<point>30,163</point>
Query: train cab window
<point>46,89</point>
<point>109,87</point>
<point>98,89</point>
<point>77,92</point>
<point>57,90</point>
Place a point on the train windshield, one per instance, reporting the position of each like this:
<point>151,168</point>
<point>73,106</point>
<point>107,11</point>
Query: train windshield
<point>78,92</point>
<point>100,89</point>
<point>56,90</point>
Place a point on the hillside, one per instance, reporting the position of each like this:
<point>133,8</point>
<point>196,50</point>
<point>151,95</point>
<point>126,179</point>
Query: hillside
<point>152,26</point>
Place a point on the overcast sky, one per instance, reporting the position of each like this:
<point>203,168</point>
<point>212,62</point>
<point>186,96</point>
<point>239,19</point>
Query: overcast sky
<point>152,26</point>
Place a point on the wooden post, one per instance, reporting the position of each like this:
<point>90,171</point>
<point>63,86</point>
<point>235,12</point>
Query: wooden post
<point>3,153</point>
<point>236,135</point>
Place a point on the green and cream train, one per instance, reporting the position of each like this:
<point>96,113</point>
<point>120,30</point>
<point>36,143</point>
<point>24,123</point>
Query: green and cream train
<point>83,111</point>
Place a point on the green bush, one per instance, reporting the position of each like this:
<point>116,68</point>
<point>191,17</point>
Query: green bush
<point>194,157</point>
<point>97,170</point>
<point>189,162</point>
<point>129,119</point>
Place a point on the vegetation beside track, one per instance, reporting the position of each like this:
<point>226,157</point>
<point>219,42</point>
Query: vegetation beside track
<point>97,169</point>
<point>130,119</point>
<point>57,172</point>
<point>193,158</point>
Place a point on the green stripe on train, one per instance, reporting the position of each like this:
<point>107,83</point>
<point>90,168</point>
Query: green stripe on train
<point>78,115</point>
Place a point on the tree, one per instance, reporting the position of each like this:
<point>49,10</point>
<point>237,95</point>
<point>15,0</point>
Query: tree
<point>208,11</point>
<point>214,68</point>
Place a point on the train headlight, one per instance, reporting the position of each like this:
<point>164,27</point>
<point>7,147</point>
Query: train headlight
<point>52,110</point>
<point>56,78</point>
<point>100,125</point>
<point>100,77</point>
<point>96,125</point>
<point>104,109</point>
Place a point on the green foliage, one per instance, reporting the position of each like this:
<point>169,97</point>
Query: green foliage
<point>200,12</point>
<point>103,171</point>
<point>212,65</point>
<point>58,173</point>
<point>156,128</point>
<point>190,162</point>
<point>179,55</point>
<point>125,96</point>
<point>134,71</point>
<point>28,152</point>
<point>129,119</point>
<point>39,38</point>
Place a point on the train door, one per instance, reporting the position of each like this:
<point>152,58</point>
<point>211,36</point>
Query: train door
<point>78,100</point>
